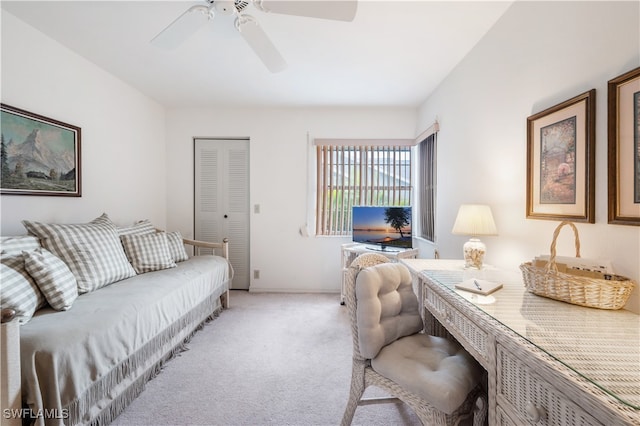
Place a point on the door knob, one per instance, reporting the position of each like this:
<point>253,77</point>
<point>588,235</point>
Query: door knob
<point>225,216</point>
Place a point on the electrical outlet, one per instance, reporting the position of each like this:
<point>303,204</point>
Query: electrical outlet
<point>256,274</point>
<point>256,208</point>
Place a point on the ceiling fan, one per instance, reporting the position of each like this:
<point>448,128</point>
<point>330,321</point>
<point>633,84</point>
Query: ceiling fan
<point>196,16</point>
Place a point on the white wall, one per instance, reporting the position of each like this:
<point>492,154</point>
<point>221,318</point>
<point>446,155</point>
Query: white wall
<point>278,182</point>
<point>123,140</point>
<point>537,55</point>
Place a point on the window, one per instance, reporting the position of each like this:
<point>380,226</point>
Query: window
<point>370,173</point>
<point>427,186</point>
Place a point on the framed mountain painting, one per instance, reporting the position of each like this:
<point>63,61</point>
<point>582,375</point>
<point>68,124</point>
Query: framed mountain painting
<point>39,155</point>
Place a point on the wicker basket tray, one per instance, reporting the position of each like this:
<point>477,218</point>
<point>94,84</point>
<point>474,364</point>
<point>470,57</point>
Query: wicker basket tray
<point>602,291</point>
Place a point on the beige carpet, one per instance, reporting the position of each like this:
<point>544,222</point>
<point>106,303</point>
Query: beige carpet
<point>271,359</point>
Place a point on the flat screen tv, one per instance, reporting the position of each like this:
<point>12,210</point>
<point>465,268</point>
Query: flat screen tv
<point>382,227</point>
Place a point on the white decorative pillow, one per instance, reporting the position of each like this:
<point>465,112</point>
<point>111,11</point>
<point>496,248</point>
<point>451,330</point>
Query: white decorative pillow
<point>18,291</point>
<point>176,246</point>
<point>138,228</point>
<point>18,244</point>
<point>148,252</point>
<point>53,278</point>
<point>92,251</point>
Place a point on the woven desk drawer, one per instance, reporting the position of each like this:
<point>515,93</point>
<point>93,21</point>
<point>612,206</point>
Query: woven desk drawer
<point>464,330</point>
<point>533,400</point>
<point>503,419</point>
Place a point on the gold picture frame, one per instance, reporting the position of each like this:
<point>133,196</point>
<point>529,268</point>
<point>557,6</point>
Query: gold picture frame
<point>624,148</point>
<point>561,161</point>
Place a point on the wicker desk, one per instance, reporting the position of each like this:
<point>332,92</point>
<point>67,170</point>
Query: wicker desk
<point>548,362</point>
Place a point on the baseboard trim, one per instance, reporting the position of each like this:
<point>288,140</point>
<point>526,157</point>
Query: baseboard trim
<point>293,290</point>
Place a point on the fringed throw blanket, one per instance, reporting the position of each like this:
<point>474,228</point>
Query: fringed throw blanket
<point>85,365</point>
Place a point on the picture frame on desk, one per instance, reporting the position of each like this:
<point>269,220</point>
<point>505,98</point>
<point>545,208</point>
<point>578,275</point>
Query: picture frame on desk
<point>624,149</point>
<point>561,161</point>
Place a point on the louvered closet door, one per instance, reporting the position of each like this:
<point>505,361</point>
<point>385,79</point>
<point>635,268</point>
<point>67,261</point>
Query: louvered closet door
<point>222,199</point>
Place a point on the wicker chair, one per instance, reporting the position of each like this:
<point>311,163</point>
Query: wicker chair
<point>446,393</point>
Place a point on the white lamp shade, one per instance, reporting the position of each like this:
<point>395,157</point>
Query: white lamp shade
<point>474,219</point>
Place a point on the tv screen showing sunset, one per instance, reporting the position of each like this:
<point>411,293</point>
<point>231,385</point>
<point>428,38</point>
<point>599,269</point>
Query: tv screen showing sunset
<point>385,226</point>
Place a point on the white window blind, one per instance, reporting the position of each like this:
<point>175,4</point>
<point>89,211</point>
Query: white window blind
<point>370,173</point>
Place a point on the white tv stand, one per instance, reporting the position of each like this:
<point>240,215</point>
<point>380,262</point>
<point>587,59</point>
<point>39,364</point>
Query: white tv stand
<point>351,250</point>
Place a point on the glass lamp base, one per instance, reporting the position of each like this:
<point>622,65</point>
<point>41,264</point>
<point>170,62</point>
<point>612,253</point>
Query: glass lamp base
<point>474,251</point>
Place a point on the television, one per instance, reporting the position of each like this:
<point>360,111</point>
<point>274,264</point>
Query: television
<point>382,227</point>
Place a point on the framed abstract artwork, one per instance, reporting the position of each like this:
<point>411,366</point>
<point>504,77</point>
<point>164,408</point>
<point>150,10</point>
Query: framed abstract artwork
<point>624,148</point>
<point>39,155</point>
<point>561,161</point>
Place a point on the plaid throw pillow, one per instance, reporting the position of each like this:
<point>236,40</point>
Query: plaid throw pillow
<point>18,244</point>
<point>138,228</point>
<point>176,246</point>
<point>148,252</point>
<point>18,291</point>
<point>92,251</point>
<point>53,278</point>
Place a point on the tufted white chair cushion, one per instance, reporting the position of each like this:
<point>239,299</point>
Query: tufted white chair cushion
<point>434,368</point>
<point>387,307</point>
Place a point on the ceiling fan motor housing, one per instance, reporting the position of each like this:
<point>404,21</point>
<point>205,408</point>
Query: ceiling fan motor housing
<point>225,7</point>
<point>191,20</point>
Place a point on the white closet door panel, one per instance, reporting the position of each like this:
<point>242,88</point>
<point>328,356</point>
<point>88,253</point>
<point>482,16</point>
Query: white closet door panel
<point>210,189</point>
<point>238,178</point>
<point>208,226</point>
<point>222,199</point>
<point>236,196</point>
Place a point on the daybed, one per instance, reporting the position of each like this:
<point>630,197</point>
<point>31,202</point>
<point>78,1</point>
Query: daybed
<point>88,352</point>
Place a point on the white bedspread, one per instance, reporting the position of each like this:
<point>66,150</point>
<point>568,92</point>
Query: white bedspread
<point>101,352</point>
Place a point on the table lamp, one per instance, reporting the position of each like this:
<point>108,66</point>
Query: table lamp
<point>474,220</point>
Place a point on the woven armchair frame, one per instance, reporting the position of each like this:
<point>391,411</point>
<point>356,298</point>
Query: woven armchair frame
<point>474,408</point>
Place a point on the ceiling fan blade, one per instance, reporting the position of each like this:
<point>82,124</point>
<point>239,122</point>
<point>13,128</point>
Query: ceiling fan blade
<point>183,27</point>
<point>258,40</point>
<point>337,10</point>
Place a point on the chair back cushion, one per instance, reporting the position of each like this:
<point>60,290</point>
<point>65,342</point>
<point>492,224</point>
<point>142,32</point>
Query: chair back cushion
<point>386,307</point>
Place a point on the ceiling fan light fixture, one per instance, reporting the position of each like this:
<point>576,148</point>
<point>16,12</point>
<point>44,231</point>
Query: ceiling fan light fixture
<point>225,7</point>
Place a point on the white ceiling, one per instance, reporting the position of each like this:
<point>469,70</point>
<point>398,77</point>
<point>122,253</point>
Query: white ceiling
<point>394,53</point>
